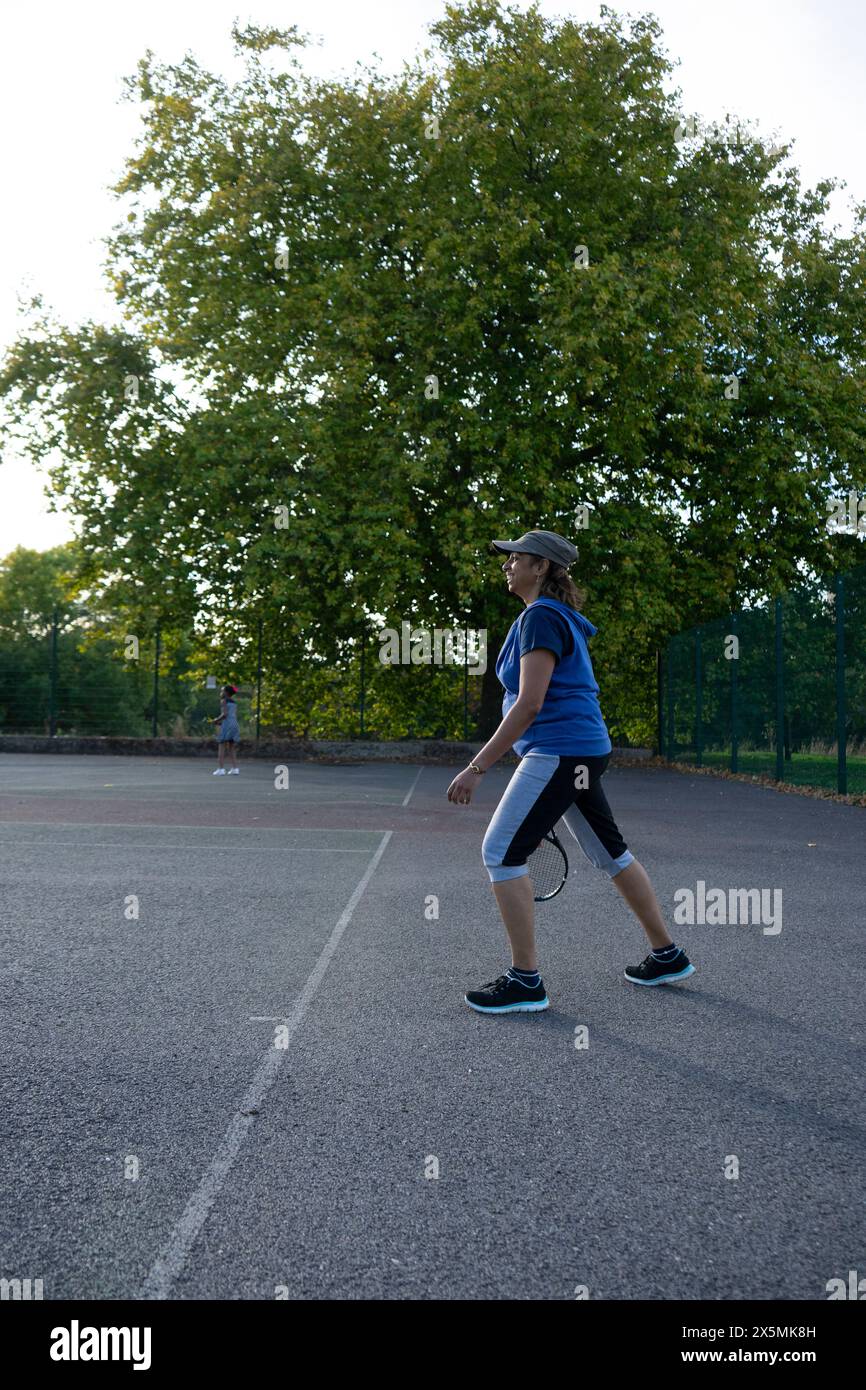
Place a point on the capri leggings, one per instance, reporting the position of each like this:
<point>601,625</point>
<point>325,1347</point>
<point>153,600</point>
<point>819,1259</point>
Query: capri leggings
<point>545,787</point>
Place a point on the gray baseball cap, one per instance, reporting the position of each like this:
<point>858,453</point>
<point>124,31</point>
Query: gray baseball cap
<point>545,543</point>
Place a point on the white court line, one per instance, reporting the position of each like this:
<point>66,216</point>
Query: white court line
<point>247,801</point>
<point>151,825</point>
<point>412,788</point>
<point>176,1251</point>
<point>126,844</point>
<point>341,802</point>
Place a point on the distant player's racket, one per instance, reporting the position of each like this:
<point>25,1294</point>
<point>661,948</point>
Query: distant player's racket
<point>548,868</point>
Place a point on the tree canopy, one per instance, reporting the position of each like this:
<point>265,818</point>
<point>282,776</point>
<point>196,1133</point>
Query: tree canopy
<point>368,324</point>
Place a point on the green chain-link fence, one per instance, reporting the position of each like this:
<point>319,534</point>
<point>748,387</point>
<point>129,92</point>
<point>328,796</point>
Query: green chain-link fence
<point>68,682</point>
<point>778,689</point>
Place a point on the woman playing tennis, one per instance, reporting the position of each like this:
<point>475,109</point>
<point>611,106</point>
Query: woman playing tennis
<point>229,732</point>
<point>552,719</point>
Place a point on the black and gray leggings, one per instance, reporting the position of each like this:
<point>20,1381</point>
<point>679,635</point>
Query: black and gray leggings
<point>545,787</point>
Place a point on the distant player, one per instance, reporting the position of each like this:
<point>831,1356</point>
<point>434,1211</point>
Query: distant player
<point>229,730</point>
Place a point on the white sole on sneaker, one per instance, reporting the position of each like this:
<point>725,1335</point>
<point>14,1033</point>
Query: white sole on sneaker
<point>508,1008</point>
<point>662,979</point>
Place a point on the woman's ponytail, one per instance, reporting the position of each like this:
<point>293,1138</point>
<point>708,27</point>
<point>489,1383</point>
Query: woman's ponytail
<point>558,584</point>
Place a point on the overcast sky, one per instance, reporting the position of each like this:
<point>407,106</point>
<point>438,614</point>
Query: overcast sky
<point>792,67</point>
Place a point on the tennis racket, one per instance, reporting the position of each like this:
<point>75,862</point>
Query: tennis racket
<point>548,868</point>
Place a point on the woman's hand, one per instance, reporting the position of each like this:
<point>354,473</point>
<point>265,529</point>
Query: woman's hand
<point>463,786</point>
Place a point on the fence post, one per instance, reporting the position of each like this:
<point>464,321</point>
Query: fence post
<point>465,681</point>
<point>699,700</point>
<point>735,661</point>
<point>363,681</point>
<point>659,705</point>
<point>259,684</point>
<point>841,712</point>
<point>780,697</point>
<point>670,693</point>
<point>52,679</point>
<point>156,684</point>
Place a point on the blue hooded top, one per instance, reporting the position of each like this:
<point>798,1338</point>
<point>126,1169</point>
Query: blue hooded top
<point>569,722</point>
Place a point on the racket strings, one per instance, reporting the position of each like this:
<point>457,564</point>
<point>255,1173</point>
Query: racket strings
<point>546,867</point>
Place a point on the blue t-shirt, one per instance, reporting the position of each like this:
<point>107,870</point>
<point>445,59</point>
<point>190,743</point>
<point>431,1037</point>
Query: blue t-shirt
<point>569,722</point>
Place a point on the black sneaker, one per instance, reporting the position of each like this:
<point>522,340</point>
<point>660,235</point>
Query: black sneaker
<point>508,995</point>
<point>655,972</point>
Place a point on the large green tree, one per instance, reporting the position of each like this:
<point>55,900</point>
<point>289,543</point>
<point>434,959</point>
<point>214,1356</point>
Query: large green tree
<point>371,323</point>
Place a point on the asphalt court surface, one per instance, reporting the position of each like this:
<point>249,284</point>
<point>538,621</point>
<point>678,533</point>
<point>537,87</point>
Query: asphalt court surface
<point>240,1092</point>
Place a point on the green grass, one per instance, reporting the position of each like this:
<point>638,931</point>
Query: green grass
<point>802,769</point>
